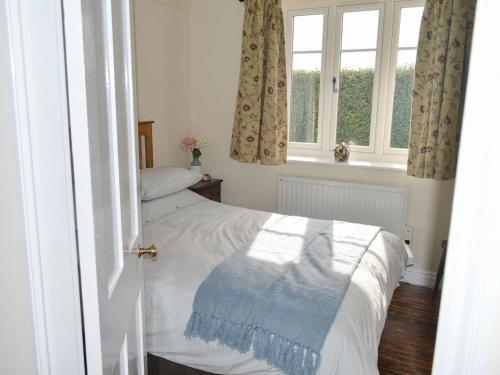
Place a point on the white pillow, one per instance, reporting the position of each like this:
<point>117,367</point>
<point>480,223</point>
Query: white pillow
<point>161,181</point>
<point>157,208</point>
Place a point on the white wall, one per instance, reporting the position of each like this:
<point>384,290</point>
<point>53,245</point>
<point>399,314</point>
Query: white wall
<point>469,324</point>
<point>16,331</point>
<point>17,354</point>
<point>214,39</point>
<point>162,68</point>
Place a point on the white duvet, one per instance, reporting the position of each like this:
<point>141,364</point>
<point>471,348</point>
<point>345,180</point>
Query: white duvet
<point>193,235</point>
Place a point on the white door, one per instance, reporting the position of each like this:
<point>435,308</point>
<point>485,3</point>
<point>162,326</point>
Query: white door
<point>99,56</point>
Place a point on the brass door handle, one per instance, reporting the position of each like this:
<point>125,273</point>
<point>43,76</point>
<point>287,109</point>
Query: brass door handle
<point>151,250</point>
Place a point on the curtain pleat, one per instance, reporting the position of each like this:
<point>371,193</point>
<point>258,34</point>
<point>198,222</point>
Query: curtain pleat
<point>439,88</point>
<point>260,128</point>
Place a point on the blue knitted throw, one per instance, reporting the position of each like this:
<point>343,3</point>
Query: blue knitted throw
<point>280,293</point>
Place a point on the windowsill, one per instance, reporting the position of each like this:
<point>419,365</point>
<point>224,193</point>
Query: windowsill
<point>348,164</point>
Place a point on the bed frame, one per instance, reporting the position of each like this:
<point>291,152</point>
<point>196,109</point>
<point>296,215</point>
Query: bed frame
<point>145,130</point>
<point>161,366</point>
<point>157,365</point>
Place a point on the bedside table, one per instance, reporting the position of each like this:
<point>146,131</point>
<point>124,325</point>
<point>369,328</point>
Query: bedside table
<point>208,189</point>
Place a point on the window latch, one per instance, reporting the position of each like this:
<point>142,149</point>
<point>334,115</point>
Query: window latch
<point>335,88</point>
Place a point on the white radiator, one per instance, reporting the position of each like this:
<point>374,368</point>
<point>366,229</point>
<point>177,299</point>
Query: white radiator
<point>366,204</point>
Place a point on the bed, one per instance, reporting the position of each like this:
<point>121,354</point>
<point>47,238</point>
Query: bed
<point>194,235</point>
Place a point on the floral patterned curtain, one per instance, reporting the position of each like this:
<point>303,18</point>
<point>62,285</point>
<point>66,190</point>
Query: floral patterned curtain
<point>260,129</point>
<point>439,87</point>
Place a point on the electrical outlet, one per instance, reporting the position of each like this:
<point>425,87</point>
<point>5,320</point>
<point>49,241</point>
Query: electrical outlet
<point>408,236</point>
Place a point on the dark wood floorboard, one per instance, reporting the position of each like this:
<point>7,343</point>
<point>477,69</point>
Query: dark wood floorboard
<point>407,343</point>
<point>406,346</point>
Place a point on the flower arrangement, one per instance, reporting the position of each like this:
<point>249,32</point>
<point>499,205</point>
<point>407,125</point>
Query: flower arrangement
<point>195,145</point>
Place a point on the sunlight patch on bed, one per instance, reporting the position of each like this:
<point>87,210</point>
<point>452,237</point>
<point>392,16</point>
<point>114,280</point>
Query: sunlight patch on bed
<point>279,242</point>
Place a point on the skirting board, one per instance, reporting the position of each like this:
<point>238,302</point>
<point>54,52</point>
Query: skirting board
<point>420,278</point>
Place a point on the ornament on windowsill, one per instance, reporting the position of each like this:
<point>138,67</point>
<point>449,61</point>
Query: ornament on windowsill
<point>342,152</point>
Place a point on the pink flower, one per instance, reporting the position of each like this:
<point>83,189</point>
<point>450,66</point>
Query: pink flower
<point>191,143</point>
<point>188,143</point>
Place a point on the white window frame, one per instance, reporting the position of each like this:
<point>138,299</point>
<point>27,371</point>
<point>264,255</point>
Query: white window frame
<point>398,7</point>
<point>290,53</point>
<point>383,94</point>
<point>337,51</point>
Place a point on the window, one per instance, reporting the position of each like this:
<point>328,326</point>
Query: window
<point>357,72</point>
<point>407,26</point>
<point>307,61</point>
<point>351,73</point>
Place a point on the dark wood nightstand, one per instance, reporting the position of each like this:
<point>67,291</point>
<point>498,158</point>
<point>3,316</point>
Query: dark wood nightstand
<point>208,189</point>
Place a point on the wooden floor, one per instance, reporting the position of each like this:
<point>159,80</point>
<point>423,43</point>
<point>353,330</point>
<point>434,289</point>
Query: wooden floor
<point>407,344</point>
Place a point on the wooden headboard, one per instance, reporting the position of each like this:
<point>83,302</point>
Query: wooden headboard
<point>146,147</point>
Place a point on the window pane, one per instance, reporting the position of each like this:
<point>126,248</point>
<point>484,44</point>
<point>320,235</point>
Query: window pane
<point>410,26</point>
<point>306,74</point>
<point>401,110</point>
<point>355,97</point>
<point>360,29</point>
<point>307,61</point>
<point>308,33</point>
